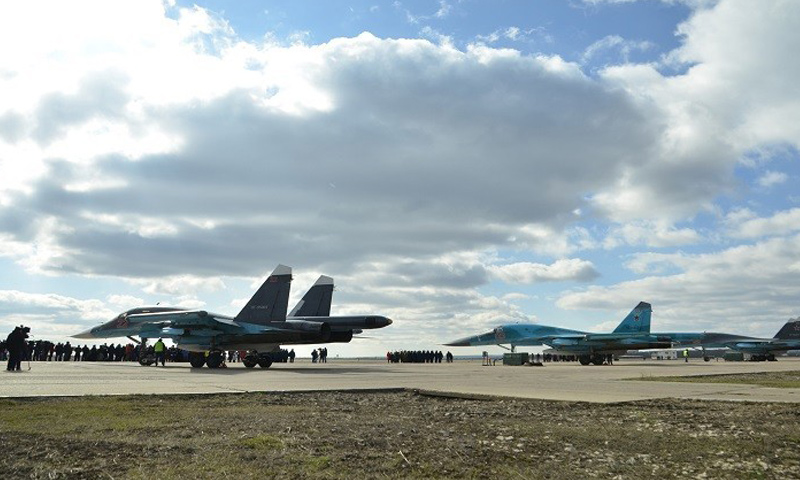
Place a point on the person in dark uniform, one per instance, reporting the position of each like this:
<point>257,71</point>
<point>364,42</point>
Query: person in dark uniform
<point>15,344</point>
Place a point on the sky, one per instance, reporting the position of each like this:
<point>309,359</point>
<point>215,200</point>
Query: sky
<point>454,165</point>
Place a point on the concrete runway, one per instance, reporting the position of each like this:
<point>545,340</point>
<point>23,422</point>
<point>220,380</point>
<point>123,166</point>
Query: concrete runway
<point>554,381</point>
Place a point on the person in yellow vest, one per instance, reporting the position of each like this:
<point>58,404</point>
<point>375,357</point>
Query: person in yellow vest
<point>686,355</point>
<point>160,350</point>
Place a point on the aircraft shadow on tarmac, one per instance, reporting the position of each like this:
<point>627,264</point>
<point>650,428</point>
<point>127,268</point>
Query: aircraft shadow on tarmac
<point>336,370</point>
<point>674,364</point>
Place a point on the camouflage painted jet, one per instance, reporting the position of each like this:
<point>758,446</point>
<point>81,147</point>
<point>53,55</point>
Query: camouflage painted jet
<point>632,334</point>
<point>787,338</point>
<point>760,349</point>
<point>259,328</point>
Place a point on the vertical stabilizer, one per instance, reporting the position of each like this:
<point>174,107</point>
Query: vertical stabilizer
<point>638,321</point>
<point>317,300</point>
<point>270,302</point>
<point>790,331</point>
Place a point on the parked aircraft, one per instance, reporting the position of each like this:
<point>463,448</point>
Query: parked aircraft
<point>632,334</point>
<point>787,338</point>
<point>259,328</point>
<point>760,349</point>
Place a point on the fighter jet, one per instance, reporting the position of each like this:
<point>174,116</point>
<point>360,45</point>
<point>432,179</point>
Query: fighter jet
<point>760,349</point>
<point>259,328</point>
<point>632,334</point>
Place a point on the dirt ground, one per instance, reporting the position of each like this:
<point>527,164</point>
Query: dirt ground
<point>398,434</point>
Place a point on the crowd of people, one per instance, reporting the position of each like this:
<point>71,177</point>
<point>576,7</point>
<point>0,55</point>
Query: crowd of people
<point>281,355</point>
<point>418,356</point>
<point>319,355</point>
<point>16,348</point>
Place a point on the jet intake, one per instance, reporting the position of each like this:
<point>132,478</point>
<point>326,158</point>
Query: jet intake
<point>320,328</point>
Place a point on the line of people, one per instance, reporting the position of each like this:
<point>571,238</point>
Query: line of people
<point>16,349</point>
<point>418,356</point>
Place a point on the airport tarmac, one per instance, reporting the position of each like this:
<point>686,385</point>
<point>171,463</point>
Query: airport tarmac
<point>554,381</point>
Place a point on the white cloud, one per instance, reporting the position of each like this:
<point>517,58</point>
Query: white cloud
<point>515,34</point>
<point>145,142</point>
<point>184,286</point>
<point>443,12</point>
<point>249,137</point>
<point>444,9</point>
<point>51,304</point>
<point>617,44</point>
<point>719,110</point>
<point>770,179</point>
<point>748,289</point>
<point>743,223</point>
<point>573,269</point>
<point>650,234</point>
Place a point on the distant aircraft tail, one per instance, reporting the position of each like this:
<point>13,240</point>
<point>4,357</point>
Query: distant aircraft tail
<point>790,331</point>
<point>317,300</point>
<point>638,321</point>
<point>270,302</point>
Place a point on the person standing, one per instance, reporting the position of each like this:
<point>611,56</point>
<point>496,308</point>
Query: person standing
<point>13,351</point>
<point>686,355</point>
<point>291,356</point>
<point>15,342</point>
<point>160,350</point>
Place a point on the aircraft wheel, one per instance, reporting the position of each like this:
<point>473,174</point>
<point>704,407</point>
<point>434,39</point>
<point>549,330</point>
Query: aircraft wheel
<point>146,361</point>
<point>585,359</point>
<point>250,361</point>
<point>706,359</point>
<point>215,359</point>
<point>771,358</point>
<point>598,359</point>
<point>197,359</point>
<point>265,361</point>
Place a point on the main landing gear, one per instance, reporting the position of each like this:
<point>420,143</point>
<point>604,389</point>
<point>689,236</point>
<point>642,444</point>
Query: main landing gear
<point>215,359</point>
<point>769,357</point>
<point>253,358</point>
<point>595,359</point>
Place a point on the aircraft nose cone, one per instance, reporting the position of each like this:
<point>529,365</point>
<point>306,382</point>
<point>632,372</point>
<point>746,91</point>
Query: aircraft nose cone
<point>87,334</point>
<point>388,321</point>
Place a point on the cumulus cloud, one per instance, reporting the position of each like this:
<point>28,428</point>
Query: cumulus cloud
<point>158,146</point>
<point>50,314</point>
<point>720,109</point>
<point>770,178</point>
<point>743,223</point>
<point>181,285</point>
<point>247,154</point>
<point>563,269</point>
<point>748,288</point>
<point>650,234</point>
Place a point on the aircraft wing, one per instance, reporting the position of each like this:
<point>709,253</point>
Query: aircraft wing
<point>608,341</point>
<point>181,319</point>
<point>167,323</point>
